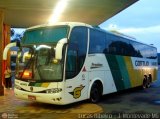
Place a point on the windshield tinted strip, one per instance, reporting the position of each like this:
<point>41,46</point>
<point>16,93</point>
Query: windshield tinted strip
<point>45,35</point>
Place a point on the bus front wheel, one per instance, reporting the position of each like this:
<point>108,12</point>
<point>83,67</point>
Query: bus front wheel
<point>95,93</point>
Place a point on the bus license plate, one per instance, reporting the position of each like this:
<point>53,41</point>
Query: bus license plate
<point>30,97</point>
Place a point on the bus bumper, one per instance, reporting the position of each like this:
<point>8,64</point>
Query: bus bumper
<point>53,98</point>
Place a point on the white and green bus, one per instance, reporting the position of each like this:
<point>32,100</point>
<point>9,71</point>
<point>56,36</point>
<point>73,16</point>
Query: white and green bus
<point>69,62</point>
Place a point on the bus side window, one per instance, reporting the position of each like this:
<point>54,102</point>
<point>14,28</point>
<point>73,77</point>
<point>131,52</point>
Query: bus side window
<point>97,41</point>
<point>77,49</point>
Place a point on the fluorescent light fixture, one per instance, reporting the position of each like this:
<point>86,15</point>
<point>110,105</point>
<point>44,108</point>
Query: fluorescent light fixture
<point>57,12</point>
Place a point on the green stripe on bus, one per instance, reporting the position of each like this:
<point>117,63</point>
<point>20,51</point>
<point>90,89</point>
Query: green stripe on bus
<point>114,67</point>
<point>38,84</point>
<point>35,84</point>
<point>31,84</point>
<point>124,71</point>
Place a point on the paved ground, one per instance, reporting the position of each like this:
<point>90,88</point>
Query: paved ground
<point>134,101</point>
<point>26,109</point>
<point>130,101</point>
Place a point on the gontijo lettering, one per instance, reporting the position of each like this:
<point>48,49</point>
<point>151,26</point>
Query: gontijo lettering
<point>141,63</point>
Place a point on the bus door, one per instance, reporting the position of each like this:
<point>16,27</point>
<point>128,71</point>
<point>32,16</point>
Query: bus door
<point>75,74</point>
<point>76,78</point>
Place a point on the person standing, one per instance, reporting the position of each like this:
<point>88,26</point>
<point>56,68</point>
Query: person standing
<point>8,78</point>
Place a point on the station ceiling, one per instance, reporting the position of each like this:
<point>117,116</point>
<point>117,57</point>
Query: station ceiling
<point>26,13</point>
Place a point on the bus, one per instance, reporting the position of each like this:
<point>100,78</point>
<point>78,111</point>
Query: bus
<point>158,58</point>
<point>69,62</point>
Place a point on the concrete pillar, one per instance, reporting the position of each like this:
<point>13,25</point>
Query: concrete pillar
<point>4,40</point>
<point>1,52</point>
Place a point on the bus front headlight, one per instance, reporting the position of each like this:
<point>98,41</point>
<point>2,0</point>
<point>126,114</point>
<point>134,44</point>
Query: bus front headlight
<point>54,90</point>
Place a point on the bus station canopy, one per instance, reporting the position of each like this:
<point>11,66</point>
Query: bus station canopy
<point>26,13</point>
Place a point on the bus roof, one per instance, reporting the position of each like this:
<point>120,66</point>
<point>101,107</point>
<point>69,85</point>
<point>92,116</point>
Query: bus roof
<point>129,38</point>
<point>122,36</point>
<point>73,24</point>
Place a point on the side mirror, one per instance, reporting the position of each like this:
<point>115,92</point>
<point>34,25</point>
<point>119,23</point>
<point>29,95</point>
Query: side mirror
<point>59,48</point>
<point>6,50</point>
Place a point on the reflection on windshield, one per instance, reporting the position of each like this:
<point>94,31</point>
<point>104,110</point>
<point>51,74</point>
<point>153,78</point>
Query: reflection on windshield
<point>38,64</point>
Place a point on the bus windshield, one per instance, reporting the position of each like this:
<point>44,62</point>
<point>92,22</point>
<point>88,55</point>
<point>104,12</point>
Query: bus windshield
<point>38,63</point>
<point>36,57</point>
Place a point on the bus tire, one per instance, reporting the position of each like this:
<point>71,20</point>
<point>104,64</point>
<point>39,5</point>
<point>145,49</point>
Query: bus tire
<point>95,93</point>
<point>149,81</point>
<point>145,82</point>
<point>144,86</point>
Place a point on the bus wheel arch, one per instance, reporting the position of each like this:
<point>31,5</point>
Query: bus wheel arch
<point>96,91</point>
